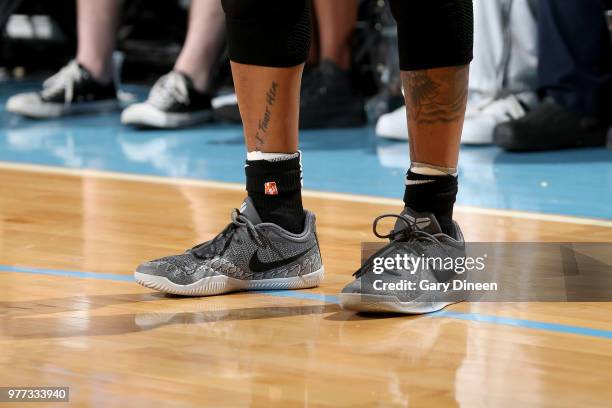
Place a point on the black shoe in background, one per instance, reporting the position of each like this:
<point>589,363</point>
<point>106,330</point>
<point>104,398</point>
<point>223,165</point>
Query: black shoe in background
<point>225,108</point>
<point>550,127</point>
<point>73,90</point>
<point>330,100</point>
<point>172,103</point>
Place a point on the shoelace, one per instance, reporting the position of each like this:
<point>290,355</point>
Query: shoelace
<point>64,81</point>
<point>220,243</point>
<point>170,88</point>
<point>410,233</point>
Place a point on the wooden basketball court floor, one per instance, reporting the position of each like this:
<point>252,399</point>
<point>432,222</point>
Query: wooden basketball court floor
<point>70,314</point>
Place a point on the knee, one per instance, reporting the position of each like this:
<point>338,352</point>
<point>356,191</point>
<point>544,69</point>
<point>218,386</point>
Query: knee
<point>273,33</point>
<point>434,33</point>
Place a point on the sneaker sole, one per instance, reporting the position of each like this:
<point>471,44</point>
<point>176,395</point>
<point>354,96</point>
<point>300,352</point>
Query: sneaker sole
<point>511,143</point>
<point>385,131</point>
<point>152,118</point>
<point>218,285</point>
<point>56,110</point>
<point>389,304</point>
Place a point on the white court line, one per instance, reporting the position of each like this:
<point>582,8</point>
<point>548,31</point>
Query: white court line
<point>354,198</point>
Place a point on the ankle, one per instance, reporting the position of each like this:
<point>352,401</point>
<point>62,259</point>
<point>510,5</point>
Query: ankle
<point>435,192</point>
<point>274,185</point>
<point>199,80</point>
<point>341,59</point>
<point>100,71</point>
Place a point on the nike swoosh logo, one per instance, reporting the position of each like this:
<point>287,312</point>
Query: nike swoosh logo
<point>416,182</point>
<point>257,266</point>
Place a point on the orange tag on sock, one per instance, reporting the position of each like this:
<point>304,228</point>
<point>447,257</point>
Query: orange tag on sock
<point>270,188</point>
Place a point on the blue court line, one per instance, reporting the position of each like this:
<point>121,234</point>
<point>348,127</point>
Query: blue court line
<point>69,274</point>
<point>525,324</point>
<point>472,317</point>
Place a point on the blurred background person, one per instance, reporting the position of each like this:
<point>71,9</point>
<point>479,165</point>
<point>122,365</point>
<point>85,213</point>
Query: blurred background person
<point>329,97</point>
<point>575,79</point>
<point>503,74</point>
<point>86,84</point>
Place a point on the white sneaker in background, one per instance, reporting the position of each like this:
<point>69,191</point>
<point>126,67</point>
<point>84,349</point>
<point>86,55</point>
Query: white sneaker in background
<point>394,125</point>
<point>481,121</point>
<point>72,90</point>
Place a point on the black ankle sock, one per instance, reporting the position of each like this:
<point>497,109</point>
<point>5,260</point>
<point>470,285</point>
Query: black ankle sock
<point>276,190</point>
<point>434,194</point>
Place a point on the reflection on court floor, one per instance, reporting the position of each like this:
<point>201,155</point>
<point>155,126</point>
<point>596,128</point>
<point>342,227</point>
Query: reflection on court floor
<point>70,316</point>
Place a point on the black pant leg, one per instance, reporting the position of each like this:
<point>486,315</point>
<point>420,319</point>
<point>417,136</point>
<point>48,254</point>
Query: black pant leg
<point>433,33</point>
<point>575,53</point>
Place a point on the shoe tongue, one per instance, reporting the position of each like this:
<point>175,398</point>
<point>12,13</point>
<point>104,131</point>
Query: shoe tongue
<point>185,78</point>
<point>425,221</point>
<point>248,210</point>
<point>84,71</point>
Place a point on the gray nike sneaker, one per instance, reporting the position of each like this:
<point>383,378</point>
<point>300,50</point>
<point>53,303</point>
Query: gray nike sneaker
<point>414,273</point>
<point>247,255</point>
